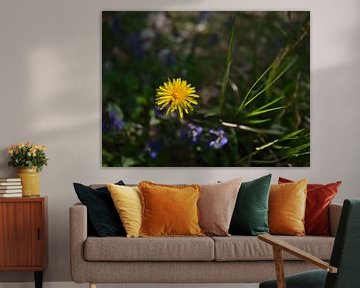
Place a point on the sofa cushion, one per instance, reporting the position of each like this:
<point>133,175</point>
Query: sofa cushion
<point>216,206</point>
<point>318,199</point>
<point>287,204</point>
<point>244,248</point>
<point>127,201</point>
<point>102,215</point>
<point>149,249</point>
<point>169,210</point>
<point>250,215</point>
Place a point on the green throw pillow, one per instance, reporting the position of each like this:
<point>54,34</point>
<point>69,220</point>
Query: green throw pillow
<point>250,215</point>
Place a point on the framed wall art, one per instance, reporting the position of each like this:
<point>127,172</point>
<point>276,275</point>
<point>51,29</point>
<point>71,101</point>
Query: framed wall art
<point>206,89</point>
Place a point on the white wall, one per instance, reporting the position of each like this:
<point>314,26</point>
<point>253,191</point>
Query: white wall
<point>50,94</point>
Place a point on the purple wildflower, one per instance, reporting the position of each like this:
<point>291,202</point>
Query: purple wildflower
<point>203,16</point>
<point>218,138</point>
<point>136,45</point>
<point>193,132</point>
<point>170,60</point>
<point>158,111</point>
<point>152,149</point>
<point>111,122</point>
<point>116,25</point>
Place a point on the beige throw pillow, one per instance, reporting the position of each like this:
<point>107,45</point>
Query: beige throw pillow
<point>216,206</point>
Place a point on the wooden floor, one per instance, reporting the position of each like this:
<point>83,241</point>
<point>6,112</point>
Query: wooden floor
<point>74,285</point>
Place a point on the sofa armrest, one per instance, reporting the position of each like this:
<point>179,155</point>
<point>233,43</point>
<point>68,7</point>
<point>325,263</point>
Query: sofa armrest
<point>334,217</point>
<point>78,235</point>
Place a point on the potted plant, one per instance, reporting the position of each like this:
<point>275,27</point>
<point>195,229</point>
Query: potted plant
<point>30,158</point>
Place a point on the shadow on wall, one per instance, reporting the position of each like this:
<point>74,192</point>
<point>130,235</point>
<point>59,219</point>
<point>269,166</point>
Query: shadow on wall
<point>53,70</point>
<point>52,75</point>
<point>4,159</point>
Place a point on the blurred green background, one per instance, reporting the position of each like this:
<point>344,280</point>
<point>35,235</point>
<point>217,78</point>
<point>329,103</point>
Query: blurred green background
<point>251,70</point>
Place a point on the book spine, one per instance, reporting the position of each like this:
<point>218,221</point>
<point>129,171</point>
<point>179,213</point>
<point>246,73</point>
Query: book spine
<point>10,191</point>
<point>10,183</point>
<point>10,179</point>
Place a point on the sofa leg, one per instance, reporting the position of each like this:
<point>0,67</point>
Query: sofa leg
<point>92,285</point>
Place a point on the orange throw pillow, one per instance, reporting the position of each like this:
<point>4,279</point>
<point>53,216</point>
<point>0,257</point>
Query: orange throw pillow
<point>169,210</point>
<point>287,204</point>
<point>319,197</point>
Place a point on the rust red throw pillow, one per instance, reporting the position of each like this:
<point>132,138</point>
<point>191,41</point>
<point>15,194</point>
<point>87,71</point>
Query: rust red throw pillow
<point>319,197</point>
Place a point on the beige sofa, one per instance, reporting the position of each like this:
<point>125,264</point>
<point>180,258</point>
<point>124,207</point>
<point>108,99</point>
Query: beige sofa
<point>234,259</point>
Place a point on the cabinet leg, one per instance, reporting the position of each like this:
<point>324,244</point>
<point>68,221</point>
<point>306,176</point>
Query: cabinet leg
<point>38,279</point>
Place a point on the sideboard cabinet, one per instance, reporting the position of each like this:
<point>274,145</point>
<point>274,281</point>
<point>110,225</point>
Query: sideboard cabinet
<point>23,235</point>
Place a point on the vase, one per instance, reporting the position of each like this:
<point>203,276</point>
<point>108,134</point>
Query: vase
<point>30,181</point>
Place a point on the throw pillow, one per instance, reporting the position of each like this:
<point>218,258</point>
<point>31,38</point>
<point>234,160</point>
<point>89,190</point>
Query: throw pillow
<point>102,215</point>
<point>250,215</point>
<point>216,206</point>
<point>287,208</point>
<point>319,197</point>
<point>127,201</point>
<point>169,210</point>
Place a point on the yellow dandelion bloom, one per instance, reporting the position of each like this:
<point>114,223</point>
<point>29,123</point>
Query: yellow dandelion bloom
<point>176,95</point>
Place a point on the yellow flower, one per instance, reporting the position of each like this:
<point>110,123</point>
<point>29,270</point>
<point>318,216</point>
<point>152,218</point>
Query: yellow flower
<point>176,95</point>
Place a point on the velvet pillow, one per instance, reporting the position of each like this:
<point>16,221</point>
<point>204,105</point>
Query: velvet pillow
<point>287,204</point>
<point>319,197</point>
<point>250,215</point>
<point>102,214</point>
<point>169,210</point>
<point>127,201</point>
<point>216,206</point>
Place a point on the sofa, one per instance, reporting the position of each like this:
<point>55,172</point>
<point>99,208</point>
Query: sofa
<point>233,259</point>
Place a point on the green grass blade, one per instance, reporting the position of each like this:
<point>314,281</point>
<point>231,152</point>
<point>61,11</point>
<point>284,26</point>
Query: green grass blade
<point>252,87</point>
<point>259,112</point>
<point>266,145</point>
<point>259,121</point>
<point>228,62</point>
<point>282,72</point>
<point>292,135</point>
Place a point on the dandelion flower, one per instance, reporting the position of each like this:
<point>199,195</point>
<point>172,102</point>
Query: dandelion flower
<point>176,95</point>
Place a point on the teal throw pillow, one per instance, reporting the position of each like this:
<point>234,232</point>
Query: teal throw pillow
<point>250,216</point>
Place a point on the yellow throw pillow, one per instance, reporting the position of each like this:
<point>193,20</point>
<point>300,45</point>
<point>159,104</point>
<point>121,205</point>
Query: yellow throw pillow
<point>169,210</point>
<point>287,204</point>
<point>127,201</point>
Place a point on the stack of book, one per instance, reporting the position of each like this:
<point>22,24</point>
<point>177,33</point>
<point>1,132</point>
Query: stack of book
<point>10,187</point>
